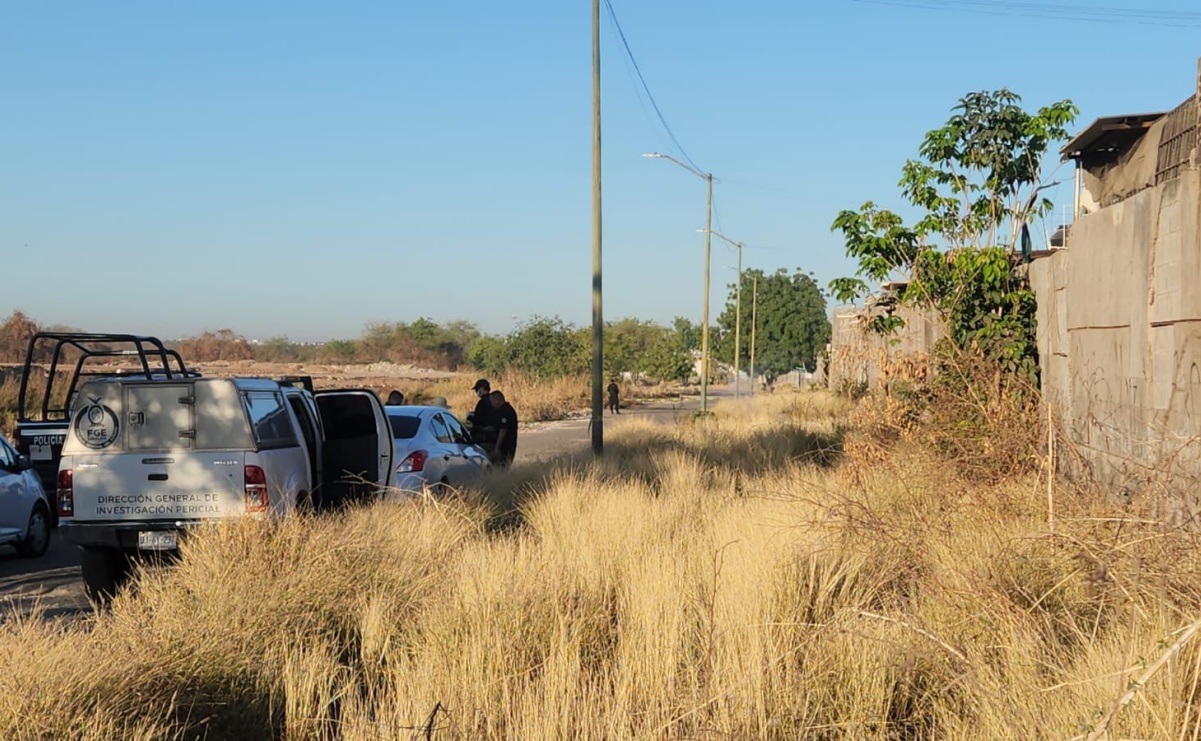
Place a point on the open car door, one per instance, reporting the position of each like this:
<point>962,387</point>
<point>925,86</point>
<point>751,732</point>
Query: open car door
<point>357,450</point>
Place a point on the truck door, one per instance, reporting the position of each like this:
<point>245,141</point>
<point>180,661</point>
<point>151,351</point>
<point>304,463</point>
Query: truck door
<point>357,455</point>
<point>310,431</point>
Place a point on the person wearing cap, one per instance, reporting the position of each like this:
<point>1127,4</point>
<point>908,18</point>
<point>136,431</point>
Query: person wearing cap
<point>483,419</point>
<point>505,448</point>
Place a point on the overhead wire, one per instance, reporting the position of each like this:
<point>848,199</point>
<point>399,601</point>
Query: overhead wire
<point>642,79</point>
<point>1053,11</point>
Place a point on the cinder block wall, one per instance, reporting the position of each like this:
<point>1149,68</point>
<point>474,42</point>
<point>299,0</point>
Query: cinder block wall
<point>858,356</point>
<point>1119,335</point>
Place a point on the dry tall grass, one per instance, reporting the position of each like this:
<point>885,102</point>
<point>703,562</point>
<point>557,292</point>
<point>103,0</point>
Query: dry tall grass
<point>729,578</point>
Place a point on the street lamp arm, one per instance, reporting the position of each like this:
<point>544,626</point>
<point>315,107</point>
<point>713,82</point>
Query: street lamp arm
<point>723,237</point>
<point>689,168</point>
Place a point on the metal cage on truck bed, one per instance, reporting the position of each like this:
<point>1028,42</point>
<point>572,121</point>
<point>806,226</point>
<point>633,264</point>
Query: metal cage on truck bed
<point>42,422</point>
<point>83,354</point>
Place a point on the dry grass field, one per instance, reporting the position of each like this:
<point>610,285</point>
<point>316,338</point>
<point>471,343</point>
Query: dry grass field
<point>763,574</point>
<point>536,400</point>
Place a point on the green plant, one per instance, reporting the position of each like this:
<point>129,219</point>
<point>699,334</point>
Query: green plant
<point>976,188</point>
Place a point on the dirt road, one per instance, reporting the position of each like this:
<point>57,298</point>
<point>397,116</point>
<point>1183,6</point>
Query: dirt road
<point>52,582</point>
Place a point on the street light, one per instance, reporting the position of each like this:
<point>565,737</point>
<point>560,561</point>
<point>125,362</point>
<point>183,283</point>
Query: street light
<point>708,178</point>
<point>737,320</point>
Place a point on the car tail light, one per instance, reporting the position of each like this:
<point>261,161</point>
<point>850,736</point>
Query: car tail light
<point>415,463</point>
<point>66,493</point>
<point>256,490</point>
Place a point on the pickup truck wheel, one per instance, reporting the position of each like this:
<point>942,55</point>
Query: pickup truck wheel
<point>305,504</point>
<point>104,571</point>
<point>37,539</point>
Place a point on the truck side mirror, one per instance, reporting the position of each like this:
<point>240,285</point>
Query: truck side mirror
<point>23,464</point>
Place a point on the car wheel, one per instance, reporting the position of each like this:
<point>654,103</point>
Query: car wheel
<point>105,570</point>
<point>37,538</point>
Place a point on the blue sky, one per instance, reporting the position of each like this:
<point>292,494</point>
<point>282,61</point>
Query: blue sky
<point>304,168</point>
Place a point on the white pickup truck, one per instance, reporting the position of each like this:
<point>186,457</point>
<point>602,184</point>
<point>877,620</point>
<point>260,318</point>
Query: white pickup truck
<point>147,459</point>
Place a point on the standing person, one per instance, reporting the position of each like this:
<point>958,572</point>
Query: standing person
<point>613,391</point>
<point>505,449</point>
<point>483,419</point>
<point>395,399</point>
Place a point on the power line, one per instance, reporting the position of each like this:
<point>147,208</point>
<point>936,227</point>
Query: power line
<point>1052,11</point>
<point>650,96</point>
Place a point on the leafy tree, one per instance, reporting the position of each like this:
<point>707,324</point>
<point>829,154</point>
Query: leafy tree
<point>976,188</point>
<point>793,328</point>
<point>15,333</point>
<point>548,348</point>
<point>489,354</point>
<point>224,344</point>
<point>646,348</point>
<point>278,350</point>
<point>688,335</point>
<point>339,351</point>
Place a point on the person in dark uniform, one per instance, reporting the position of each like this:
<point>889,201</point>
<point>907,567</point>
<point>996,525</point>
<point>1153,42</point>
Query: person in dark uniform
<point>395,399</point>
<point>505,449</point>
<point>613,391</point>
<point>483,419</point>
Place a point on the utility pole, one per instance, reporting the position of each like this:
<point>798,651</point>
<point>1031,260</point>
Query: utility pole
<point>754,326</point>
<point>705,319</point>
<point>708,177</point>
<point>738,331</point>
<point>598,324</point>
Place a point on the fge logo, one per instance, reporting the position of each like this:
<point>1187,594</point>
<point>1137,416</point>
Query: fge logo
<point>96,425</point>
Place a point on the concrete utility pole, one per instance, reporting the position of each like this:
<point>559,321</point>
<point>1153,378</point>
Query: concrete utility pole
<point>598,324</point>
<point>737,313</point>
<point>738,331</point>
<point>754,326</point>
<point>705,319</point>
<point>708,178</point>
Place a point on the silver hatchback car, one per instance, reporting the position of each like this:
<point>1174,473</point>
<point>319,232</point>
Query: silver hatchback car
<point>24,508</point>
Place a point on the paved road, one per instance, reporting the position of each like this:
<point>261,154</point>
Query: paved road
<point>52,582</point>
<point>550,439</point>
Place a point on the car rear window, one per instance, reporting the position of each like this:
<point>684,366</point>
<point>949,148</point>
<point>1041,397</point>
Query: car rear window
<point>404,427</point>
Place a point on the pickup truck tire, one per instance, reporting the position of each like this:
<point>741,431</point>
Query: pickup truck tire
<point>37,539</point>
<point>104,571</point>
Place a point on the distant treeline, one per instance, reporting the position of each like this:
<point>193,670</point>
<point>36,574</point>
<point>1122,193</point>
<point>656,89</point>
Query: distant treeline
<point>543,347</point>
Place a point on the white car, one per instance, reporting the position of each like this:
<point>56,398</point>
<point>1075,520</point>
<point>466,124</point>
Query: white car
<point>24,509</point>
<point>432,449</point>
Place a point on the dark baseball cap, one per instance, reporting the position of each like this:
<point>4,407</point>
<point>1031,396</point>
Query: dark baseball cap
<point>481,384</point>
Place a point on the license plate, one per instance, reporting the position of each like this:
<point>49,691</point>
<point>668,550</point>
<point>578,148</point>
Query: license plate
<point>158,540</point>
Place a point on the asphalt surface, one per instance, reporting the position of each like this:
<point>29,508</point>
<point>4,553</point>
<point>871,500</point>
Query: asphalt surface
<point>53,584</point>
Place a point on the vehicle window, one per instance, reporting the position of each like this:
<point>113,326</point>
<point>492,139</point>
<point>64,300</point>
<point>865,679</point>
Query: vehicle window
<point>307,428</point>
<point>8,458</point>
<point>269,419</point>
<point>404,427</point>
<point>457,430</point>
<point>441,431</point>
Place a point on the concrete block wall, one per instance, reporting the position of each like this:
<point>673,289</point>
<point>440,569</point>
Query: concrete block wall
<point>858,356</point>
<point>1119,337</point>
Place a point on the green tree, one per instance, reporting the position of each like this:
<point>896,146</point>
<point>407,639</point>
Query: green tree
<point>548,348</point>
<point>793,327</point>
<point>490,354</point>
<point>339,351</point>
<point>976,188</point>
<point>278,350</point>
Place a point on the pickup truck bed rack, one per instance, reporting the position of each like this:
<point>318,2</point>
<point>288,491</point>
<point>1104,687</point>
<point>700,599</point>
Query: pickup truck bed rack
<point>42,423</point>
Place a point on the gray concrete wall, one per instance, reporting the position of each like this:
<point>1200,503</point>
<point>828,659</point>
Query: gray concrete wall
<point>1119,337</point>
<point>858,356</point>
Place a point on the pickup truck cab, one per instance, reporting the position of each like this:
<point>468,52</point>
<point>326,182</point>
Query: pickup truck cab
<point>147,459</point>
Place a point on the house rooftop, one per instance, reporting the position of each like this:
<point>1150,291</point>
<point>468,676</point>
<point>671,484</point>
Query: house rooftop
<point>1109,134</point>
